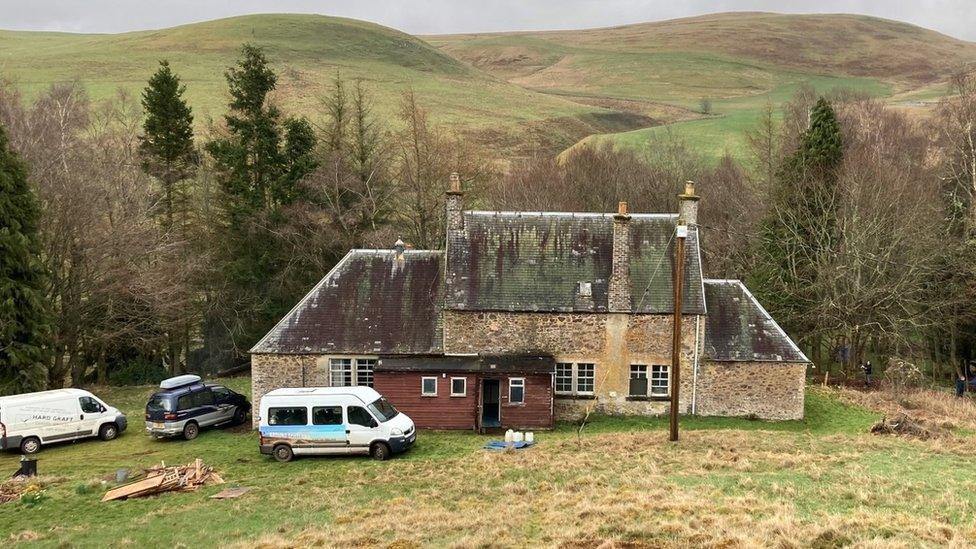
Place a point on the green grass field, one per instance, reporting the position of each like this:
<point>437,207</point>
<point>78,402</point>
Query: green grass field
<point>730,482</point>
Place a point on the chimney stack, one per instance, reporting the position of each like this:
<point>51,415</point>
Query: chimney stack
<point>688,205</point>
<point>618,294</point>
<point>455,204</point>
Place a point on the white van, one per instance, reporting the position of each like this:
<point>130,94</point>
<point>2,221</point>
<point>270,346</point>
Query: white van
<point>29,420</point>
<point>332,420</point>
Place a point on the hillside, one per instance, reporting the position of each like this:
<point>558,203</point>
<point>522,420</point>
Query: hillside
<point>307,51</point>
<point>737,61</point>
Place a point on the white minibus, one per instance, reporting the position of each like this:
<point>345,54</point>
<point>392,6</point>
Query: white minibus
<point>332,420</point>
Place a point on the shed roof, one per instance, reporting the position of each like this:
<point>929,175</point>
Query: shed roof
<point>534,261</point>
<point>501,364</point>
<point>738,328</point>
<point>373,301</point>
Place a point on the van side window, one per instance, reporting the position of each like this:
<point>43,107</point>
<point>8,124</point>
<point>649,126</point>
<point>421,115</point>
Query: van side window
<point>204,398</point>
<point>90,405</point>
<point>359,416</point>
<point>288,416</point>
<point>327,415</point>
<point>185,403</point>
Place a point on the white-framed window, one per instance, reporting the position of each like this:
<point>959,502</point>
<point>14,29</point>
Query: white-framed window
<point>340,372</point>
<point>516,390</point>
<point>347,372</point>
<point>575,378</point>
<point>459,386</point>
<point>660,380</point>
<point>650,381</point>
<point>428,386</point>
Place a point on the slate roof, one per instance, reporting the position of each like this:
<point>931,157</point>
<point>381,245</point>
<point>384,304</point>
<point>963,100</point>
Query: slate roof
<point>534,261</point>
<point>738,328</point>
<point>373,301</point>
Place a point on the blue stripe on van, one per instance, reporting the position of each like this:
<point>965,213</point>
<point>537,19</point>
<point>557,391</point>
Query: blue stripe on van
<point>324,433</point>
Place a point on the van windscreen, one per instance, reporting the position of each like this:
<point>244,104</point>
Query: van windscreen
<point>383,410</point>
<point>159,403</point>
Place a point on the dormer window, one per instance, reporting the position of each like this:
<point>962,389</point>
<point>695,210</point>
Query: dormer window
<point>585,289</point>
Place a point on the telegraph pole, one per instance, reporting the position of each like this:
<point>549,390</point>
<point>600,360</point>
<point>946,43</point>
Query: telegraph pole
<point>681,233</point>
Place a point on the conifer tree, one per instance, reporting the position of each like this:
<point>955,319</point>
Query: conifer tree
<point>799,236</point>
<point>166,145</point>
<point>259,163</point>
<point>24,316</point>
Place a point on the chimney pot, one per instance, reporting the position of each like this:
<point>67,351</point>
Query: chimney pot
<point>399,246</point>
<point>622,208</point>
<point>455,182</point>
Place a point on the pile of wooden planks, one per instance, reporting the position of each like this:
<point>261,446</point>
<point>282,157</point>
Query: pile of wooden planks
<point>167,479</point>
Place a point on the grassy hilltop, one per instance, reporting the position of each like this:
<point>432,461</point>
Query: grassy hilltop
<point>738,61</point>
<point>518,91</point>
<point>307,51</point>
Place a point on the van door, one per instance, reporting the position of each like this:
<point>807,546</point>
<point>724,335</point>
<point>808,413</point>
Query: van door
<point>91,415</point>
<point>361,429</point>
<point>55,420</point>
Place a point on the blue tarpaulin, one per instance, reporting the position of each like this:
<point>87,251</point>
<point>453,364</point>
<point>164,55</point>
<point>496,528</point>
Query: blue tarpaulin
<point>502,445</point>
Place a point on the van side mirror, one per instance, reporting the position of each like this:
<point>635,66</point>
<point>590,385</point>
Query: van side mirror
<point>373,423</point>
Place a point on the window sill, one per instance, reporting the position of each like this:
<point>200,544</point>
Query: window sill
<point>458,396</point>
<point>576,397</point>
<point>513,404</point>
<point>428,396</point>
<point>649,398</point>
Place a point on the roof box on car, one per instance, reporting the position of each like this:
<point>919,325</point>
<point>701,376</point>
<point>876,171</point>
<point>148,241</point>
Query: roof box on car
<point>179,381</point>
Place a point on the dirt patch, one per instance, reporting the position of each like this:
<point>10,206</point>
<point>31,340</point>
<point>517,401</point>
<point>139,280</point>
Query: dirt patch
<point>905,425</point>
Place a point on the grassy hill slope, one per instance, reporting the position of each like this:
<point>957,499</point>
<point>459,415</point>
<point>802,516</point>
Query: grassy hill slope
<point>737,61</point>
<point>306,51</point>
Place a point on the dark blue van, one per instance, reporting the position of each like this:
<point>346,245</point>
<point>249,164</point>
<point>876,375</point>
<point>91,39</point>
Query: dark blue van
<point>184,404</point>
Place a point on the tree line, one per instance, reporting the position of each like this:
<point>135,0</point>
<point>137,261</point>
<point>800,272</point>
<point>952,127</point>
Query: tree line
<point>133,247</point>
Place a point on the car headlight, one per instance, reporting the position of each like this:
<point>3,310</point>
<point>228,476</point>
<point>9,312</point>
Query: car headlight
<point>396,433</point>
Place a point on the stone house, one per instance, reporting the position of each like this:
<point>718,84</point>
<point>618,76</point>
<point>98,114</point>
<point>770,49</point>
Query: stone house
<point>529,317</point>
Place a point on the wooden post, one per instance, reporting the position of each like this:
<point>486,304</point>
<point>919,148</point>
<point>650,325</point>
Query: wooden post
<point>677,283</point>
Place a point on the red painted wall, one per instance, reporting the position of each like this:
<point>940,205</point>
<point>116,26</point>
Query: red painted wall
<point>439,412</point>
<point>446,412</point>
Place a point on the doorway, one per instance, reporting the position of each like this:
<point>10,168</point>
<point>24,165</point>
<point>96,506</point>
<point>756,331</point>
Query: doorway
<point>491,405</point>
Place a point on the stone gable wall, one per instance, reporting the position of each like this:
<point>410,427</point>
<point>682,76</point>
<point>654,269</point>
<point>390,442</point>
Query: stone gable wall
<point>766,390</point>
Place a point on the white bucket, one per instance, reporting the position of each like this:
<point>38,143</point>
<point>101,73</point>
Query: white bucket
<point>509,435</point>
<point>518,436</point>
<point>530,437</point>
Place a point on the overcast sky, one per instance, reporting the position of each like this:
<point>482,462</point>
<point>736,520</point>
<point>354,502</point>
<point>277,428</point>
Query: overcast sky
<point>953,17</point>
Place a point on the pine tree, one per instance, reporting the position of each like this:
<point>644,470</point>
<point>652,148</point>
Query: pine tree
<point>799,236</point>
<point>24,316</point>
<point>166,145</point>
<point>259,164</point>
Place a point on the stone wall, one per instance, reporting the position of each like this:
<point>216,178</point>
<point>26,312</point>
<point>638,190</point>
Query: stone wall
<point>270,372</point>
<point>766,390</point>
<point>612,341</point>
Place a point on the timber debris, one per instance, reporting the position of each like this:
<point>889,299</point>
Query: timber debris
<point>159,479</point>
<point>905,425</point>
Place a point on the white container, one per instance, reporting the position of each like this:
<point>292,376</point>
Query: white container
<point>530,437</point>
<point>518,436</point>
<point>509,435</point>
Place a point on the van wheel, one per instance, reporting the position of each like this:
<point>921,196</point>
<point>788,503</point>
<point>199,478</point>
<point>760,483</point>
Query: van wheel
<point>108,431</point>
<point>380,451</point>
<point>283,453</point>
<point>30,445</point>
<point>240,416</point>
<point>191,430</point>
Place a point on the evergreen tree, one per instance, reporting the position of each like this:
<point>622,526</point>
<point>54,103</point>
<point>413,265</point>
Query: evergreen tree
<point>799,236</point>
<point>259,164</point>
<point>167,141</point>
<point>24,316</point>
<point>169,156</point>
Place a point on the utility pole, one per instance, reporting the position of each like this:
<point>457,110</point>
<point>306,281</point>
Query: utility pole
<point>681,233</point>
